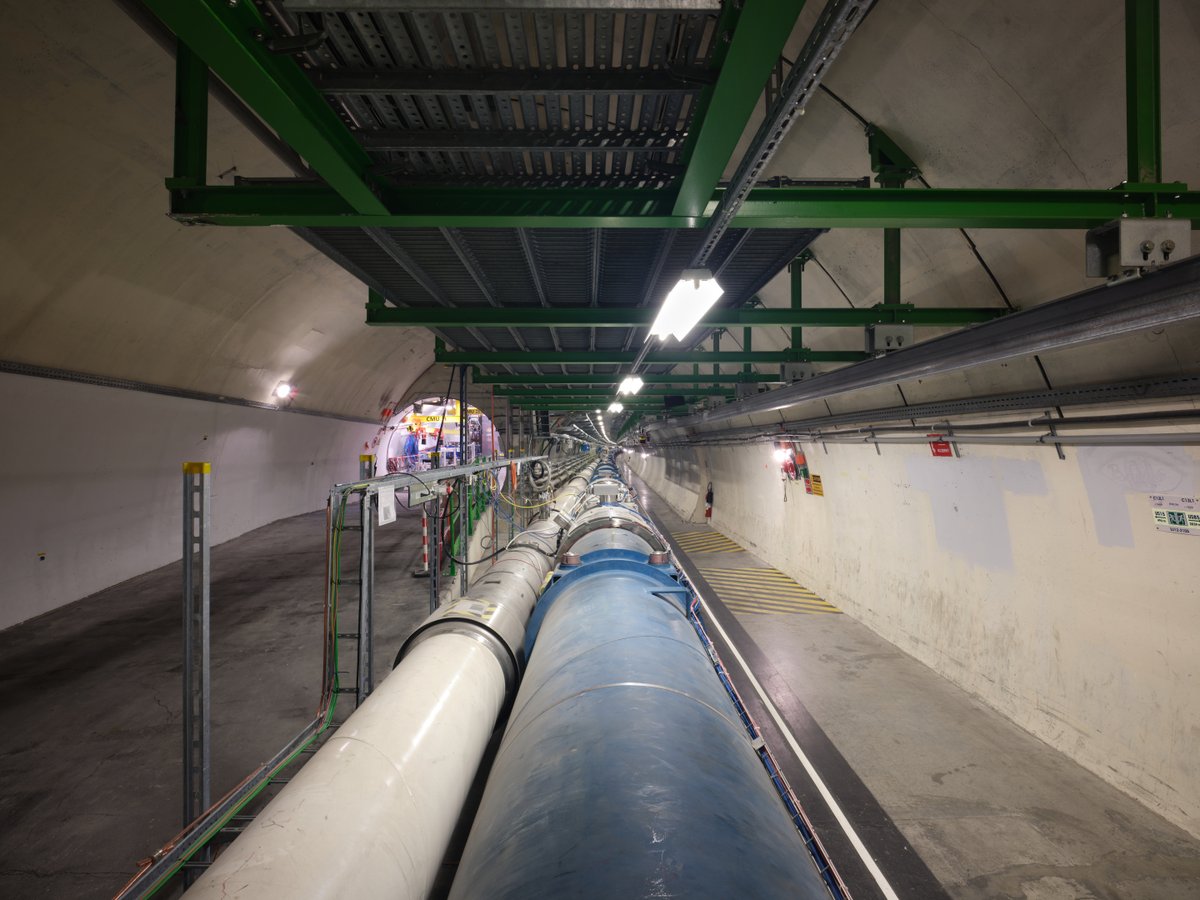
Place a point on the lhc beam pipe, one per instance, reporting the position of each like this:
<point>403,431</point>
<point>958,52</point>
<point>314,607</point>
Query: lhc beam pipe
<point>625,770</point>
<point>371,815</point>
<point>610,528</point>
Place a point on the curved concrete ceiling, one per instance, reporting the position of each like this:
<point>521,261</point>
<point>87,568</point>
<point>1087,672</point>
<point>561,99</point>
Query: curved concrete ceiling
<point>99,280</point>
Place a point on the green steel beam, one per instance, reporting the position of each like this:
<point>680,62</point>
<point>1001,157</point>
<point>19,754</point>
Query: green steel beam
<point>1143,116</point>
<point>226,35</point>
<point>893,168</point>
<point>622,357</point>
<point>796,270</point>
<point>758,39</point>
<point>191,119</point>
<point>638,317</point>
<point>577,406</point>
<point>303,204</point>
<point>616,379</point>
<point>558,392</point>
<point>960,208</point>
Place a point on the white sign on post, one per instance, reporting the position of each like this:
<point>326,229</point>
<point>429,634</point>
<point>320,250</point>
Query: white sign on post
<point>387,504</point>
<point>1178,515</point>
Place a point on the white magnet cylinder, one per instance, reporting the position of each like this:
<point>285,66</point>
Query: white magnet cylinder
<point>372,813</point>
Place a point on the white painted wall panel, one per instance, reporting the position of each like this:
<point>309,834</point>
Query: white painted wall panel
<point>91,477</point>
<point>1041,586</point>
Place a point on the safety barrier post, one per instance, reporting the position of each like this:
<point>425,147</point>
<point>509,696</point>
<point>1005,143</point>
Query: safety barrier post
<point>197,687</point>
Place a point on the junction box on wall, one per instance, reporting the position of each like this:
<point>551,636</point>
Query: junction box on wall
<point>1129,245</point>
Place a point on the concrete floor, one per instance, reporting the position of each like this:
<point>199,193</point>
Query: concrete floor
<point>991,810</point>
<point>89,730</point>
<point>90,698</point>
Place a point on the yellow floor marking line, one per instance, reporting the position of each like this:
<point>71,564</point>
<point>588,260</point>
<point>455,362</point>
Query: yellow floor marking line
<point>764,591</point>
<point>705,542</point>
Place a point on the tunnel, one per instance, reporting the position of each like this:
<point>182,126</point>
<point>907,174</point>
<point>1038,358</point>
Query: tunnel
<point>803,485</point>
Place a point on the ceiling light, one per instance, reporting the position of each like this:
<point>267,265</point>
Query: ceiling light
<point>687,303</point>
<point>780,454</point>
<point>616,406</point>
<point>631,385</point>
<point>597,412</point>
<point>284,390</point>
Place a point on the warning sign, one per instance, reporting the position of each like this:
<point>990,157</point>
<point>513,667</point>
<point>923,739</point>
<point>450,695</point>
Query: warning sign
<point>1178,515</point>
<point>818,489</point>
<point>939,446</point>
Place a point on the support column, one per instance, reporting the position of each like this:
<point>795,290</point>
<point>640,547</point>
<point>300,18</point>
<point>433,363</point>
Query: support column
<point>465,494</point>
<point>797,272</point>
<point>747,345</point>
<point>364,680</point>
<point>891,265</point>
<point>197,691</point>
<point>191,119</point>
<point>716,368</point>
<point>1143,118</point>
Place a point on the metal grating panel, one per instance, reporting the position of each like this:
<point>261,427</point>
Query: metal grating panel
<point>398,77</point>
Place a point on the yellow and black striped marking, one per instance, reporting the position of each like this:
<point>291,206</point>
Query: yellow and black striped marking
<point>766,591</point>
<point>705,542</point>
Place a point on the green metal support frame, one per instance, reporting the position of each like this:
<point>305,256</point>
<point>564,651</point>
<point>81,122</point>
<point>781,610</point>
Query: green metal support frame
<point>517,394</point>
<point>616,379</point>
<point>576,405</point>
<point>758,38</point>
<point>1142,96</point>
<point>191,119</point>
<point>308,205</point>
<point>620,357</point>
<point>226,35</point>
<point>893,168</point>
<point>641,317</point>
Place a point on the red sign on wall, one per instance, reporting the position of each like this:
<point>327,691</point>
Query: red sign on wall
<point>939,446</point>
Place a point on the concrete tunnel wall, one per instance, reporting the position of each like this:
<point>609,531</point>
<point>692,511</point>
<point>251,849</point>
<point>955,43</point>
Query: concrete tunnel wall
<point>91,478</point>
<point>1021,578</point>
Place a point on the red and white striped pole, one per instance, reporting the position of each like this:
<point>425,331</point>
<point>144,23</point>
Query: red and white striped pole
<point>424,541</point>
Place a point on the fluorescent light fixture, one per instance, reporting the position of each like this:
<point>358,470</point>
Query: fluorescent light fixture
<point>687,303</point>
<point>616,406</point>
<point>283,390</point>
<point>631,385</point>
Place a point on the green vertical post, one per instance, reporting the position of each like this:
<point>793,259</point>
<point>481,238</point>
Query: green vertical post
<point>797,272</point>
<point>191,118</point>
<point>748,342</point>
<point>893,168</point>
<point>891,265</point>
<point>716,369</point>
<point>1143,116</point>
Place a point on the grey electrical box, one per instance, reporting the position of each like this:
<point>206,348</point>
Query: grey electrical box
<point>419,494</point>
<point>744,389</point>
<point>884,338</point>
<point>1128,245</point>
<point>797,371</point>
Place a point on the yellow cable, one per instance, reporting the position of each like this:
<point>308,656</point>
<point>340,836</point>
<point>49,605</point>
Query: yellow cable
<point>513,503</point>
